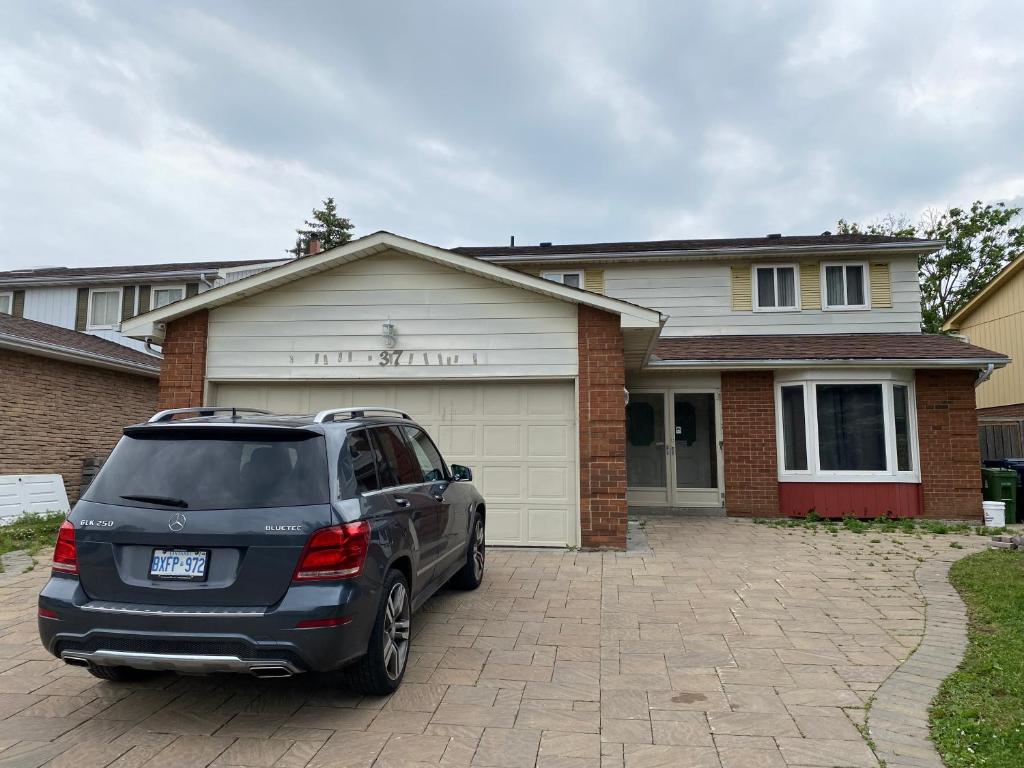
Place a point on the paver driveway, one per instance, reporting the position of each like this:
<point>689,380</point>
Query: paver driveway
<point>731,644</point>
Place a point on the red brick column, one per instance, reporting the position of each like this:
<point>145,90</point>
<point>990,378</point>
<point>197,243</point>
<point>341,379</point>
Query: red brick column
<point>748,429</point>
<point>947,433</point>
<point>183,371</point>
<point>602,421</point>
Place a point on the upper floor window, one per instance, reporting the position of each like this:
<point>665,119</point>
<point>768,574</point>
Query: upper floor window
<point>844,286</point>
<point>167,294</point>
<point>572,279</point>
<point>775,288</point>
<point>7,303</point>
<point>104,308</point>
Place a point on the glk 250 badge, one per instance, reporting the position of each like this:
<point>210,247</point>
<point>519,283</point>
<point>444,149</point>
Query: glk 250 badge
<point>96,524</point>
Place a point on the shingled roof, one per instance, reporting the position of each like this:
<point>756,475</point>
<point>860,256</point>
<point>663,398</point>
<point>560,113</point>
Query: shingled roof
<point>63,273</point>
<point>32,336</point>
<point>853,347</point>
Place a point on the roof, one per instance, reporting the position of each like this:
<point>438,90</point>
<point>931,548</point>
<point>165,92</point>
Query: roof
<point>47,340</point>
<point>771,350</point>
<point>983,295</point>
<point>694,248</point>
<point>69,274</point>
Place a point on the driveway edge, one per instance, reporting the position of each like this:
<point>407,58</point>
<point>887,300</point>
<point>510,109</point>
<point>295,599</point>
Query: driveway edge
<point>897,720</point>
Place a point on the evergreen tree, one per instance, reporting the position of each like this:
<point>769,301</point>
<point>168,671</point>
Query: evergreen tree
<point>327,226</point>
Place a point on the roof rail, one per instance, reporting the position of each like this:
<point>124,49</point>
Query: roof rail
<point>357,411</point>
<point>170,413</point>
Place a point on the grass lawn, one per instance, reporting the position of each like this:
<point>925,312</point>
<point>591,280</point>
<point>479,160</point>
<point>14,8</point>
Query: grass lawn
<point>32,533</point>
<point>978,717</point>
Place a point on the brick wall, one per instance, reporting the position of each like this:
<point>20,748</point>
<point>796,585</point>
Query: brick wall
<point>602,420</point>
<point>947,427</point>
<point>183,370</point>
<point>55,413</point>
<point>748,432</point>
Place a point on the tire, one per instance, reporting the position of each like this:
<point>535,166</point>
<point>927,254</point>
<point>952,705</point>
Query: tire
<point>472,573</point>
<point>381,670</point>
<point>120,674</point>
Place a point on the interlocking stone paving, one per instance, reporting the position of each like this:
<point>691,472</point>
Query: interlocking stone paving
<point>726,645</point>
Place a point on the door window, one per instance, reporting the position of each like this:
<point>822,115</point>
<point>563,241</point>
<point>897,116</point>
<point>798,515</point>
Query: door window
<point>357,467</point>
<point>695,436</point>
<point>426,454</point>
<point>645,440</point>
<point>399,465</point>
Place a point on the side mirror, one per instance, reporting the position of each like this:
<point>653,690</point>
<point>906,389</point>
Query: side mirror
<point>460,472</point>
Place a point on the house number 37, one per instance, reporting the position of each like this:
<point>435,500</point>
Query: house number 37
<point>390,357</point>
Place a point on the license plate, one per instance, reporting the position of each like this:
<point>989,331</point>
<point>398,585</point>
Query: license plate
<point>182,564</point>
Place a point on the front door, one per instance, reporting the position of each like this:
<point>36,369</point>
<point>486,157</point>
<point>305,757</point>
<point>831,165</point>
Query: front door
<point>673,449</point>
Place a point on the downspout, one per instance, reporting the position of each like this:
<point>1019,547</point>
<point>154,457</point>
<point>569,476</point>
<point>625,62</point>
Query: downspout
<point>205,281</point>
<point>151,350</point>
<point>984,375</point>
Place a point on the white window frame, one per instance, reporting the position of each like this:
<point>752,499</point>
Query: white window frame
<point>10,301</point>
<point>559,277</point>
<point>845,307</point>
<point>89,324</point>
<point>154,288</point>
<point>814,473</point>
<point>775,283</point>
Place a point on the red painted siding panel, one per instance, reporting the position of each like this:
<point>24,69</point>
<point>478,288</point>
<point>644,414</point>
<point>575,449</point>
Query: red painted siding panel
<point>850,499</point>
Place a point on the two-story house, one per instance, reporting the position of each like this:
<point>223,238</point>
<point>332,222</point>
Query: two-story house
<point>762,376</point>
<point>96,300</point>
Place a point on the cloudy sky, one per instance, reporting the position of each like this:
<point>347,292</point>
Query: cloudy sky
<point>173,131</point>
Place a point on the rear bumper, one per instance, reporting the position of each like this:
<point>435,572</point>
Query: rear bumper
<point>201,640</point>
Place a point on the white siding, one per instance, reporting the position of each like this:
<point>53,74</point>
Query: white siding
<point>55,306</point>
<point>697,299</point>
<point>449,325</point>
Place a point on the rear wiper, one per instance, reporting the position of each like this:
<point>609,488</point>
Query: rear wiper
<point>166,501</point>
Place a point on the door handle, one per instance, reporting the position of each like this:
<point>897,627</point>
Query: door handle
<point>401,501</point>
<point>438,497</point>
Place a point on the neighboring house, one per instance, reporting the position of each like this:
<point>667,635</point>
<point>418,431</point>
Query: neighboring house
<point>65,396</point>
<point>764,375</point>
<point>995,319</point>
<point>95,300</point>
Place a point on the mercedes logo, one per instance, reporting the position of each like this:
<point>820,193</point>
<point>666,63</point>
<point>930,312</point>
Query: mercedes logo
<point>177,522</point>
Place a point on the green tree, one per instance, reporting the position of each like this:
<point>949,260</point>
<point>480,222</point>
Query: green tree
<point>980,241</point>
<point>327,226</point>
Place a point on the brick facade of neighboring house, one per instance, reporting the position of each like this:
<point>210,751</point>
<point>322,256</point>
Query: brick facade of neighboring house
<point>183,371</point>
<point>749,447</point>
<point>56,413</point>
<point>602,423</point>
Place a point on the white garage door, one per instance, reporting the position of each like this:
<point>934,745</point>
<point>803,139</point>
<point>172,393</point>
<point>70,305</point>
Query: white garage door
<point>519,439</point>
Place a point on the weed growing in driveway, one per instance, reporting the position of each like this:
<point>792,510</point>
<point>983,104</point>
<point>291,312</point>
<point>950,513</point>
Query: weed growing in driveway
<point>31,533</point>
<point>908,525</point>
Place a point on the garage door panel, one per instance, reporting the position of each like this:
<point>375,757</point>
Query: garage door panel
<point>517,437</point>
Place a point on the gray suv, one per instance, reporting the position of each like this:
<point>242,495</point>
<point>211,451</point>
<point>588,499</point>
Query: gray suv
<point>240,541</point>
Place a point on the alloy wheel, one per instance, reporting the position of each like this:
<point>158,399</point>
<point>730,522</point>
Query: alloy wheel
<point>479,550</point>
<point>396,631</point>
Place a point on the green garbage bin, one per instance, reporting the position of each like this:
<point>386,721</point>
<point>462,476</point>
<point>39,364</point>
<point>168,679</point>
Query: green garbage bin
<point>1001,485</point>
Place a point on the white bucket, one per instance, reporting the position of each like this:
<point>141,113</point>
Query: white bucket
<point>995,513</point>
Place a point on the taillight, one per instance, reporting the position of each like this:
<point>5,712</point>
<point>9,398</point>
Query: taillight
<point>46,613</point>
<point>65,553</point>
<point>337,552</point>
<point>338,621</point>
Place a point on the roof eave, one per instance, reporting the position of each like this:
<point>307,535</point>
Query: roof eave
<point>875,362</point>
<point>954,323</point>
<point>69,354</point>
<point>120,277</point>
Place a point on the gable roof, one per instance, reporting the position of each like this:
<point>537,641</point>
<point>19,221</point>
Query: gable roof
<point>985,293</point>
<point>124,272</point>
<point>703,248</point>
<point>150,325</point>
<point>918,349</point>
<point>37,338</point>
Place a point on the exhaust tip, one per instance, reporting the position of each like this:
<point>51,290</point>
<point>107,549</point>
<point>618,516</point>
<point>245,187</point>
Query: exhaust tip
<point>75,661</point>
<point>270,671</point>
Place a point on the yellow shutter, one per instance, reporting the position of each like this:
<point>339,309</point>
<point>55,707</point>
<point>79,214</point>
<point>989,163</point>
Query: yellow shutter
<point>810,285</point>
<point>742,298</point>
<point>881,285</point>
<point>593,280</point>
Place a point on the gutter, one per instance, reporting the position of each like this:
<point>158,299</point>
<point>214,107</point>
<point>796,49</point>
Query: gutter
<point>984,375</point>
<point>121,277</point>
<point>989,363</point>
<point>70,354</point>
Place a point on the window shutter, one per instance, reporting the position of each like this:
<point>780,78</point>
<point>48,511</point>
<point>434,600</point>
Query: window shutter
<point>593,280</point>
<point>144,293</point>
<point>82,309</point>
<point>742,298</point>
<point>810,285</point>
<point>127,302</point>
<point>18,304</point>
<point>191,289</point>
<point>881,285</point>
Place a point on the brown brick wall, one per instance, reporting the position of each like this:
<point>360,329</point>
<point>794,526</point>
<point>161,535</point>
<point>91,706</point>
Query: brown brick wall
<point>55,413</point>
<point>748,432</point>
<point>183,370</point>
<point>947,427</point>
<point>602,419</point>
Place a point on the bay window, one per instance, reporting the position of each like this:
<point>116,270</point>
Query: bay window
<point>854,428</point>
<point>775,288</point>
<point>844,286</point>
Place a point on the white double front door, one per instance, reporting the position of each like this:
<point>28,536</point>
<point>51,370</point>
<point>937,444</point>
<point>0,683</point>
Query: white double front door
<point>673,448</point>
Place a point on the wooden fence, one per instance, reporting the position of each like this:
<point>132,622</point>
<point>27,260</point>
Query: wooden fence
<point>1001,438</point>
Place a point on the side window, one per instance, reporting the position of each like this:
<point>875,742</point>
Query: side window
<point>357,470</point>
<point>402,467</point>
<point>426,454</point>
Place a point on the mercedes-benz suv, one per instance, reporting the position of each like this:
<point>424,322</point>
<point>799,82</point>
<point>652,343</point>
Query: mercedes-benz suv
<point>233,540</point>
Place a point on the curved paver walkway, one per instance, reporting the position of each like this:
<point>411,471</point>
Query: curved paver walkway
<point>898,718</point>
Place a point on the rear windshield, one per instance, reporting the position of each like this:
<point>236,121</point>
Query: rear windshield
<point>228,473</point>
